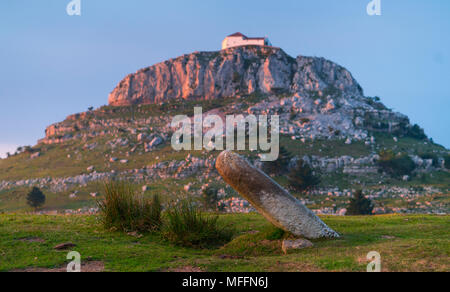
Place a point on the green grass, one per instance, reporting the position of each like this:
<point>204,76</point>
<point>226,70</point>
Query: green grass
<point>406,243</point>
<point>186,225</point>
<point>124,209</point>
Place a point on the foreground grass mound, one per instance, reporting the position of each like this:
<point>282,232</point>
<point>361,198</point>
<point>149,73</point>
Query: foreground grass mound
<point>405,243</point>
<point>255,243</point>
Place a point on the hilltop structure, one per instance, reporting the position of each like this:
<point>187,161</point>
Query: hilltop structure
<point>238,39</point>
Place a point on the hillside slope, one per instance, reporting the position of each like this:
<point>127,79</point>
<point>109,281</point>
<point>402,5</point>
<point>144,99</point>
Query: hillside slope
<point>324,118</point>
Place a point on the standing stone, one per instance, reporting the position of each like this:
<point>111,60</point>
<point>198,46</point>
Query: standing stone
<point>270,199</point>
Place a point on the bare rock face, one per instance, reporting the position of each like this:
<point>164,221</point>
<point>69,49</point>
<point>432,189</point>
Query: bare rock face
<point>270,199</point>
<point>232,72</point>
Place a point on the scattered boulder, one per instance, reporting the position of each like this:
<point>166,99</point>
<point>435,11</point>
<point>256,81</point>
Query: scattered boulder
<point>64,246</point>
<point>141,137</point>
<point>155,142</point>
<point>297,244</point>
<point>35,155</point>
<point>270,199</point>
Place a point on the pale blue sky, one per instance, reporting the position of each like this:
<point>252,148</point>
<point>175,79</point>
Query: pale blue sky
<point>53,65</point>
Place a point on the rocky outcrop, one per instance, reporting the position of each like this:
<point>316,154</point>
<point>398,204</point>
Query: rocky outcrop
<point>233,72</point>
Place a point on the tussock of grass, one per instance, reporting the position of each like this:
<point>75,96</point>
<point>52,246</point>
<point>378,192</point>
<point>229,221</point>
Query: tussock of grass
<point>188,226</point>
<point>123,209</point>
<point>268,241</point>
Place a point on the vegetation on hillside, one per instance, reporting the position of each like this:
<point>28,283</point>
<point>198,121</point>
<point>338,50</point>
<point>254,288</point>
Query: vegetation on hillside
<point>396,165</point>
<point>359,205</point>
<point>302,177</point>
<point>35,198</point>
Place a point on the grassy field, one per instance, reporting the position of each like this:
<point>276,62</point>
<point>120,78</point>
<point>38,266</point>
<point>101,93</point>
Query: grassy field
<point>406,243</point>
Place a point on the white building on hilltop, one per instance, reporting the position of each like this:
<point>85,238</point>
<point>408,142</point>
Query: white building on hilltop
<point>238,39</point>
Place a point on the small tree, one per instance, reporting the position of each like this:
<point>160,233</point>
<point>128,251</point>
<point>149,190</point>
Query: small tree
<point>280,165</point>
<point>35,198</point>
<point>447,161</point>
<point>302,177</point>
<point>27,149</point>
<point>359,205</point>
<point>416,132</point>
<point>210,198</point>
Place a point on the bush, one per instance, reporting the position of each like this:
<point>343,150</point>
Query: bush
<point>280,165</point>
<point>396,165</point>
<point>302,177</point>
<point>416,132</point>
<point>447,161</point>
<point>359,205</point>
<point>187,226</point>
<point>35,198</point>
<point>124,210</point>
<point>210,198</point>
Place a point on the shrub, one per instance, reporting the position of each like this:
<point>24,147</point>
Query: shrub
<point>396,165</point>
<point>187,226</point>
<point>359,205</point>
<point>210,198</point>
<point>302,177</point>
<point>124,210</point>
<point>416,132</point>
<point>447,161</point>
<point>35,198</point>
<point>280,165</point>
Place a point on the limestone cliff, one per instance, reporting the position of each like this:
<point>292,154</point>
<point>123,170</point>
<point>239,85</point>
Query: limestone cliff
<point>233,72</point>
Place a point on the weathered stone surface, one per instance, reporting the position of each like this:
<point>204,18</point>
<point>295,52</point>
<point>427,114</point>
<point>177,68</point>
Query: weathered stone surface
<point>231,72</point>
<point>288,245</point>
<point>270,199</point>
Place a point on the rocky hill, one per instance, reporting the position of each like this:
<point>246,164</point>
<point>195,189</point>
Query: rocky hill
<point>315,89</point>
<point>324,119</point>
<point>233,72</point>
